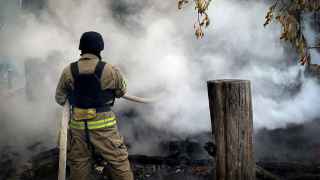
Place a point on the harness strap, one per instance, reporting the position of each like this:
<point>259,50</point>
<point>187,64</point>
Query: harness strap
<point>99,69</point>
<point>74,70</point>
<point>96,157</point>
<point>98,72</point>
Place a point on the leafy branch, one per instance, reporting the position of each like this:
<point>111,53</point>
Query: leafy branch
<point>203,21</point>
<point>288,14</point>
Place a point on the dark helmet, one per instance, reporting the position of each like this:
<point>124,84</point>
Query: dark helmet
<point>91,41</point>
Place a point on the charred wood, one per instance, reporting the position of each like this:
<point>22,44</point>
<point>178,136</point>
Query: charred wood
<point>263,174</point>
<point>292,170</point>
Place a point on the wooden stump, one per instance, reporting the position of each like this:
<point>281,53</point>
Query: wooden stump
<point>231,118</point>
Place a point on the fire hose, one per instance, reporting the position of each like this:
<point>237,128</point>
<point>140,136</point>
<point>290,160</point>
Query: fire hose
<point>138,99</point>
<point>63,142</point>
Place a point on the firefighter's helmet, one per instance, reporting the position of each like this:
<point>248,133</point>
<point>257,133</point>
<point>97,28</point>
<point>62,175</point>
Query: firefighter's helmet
<point>91,41</point>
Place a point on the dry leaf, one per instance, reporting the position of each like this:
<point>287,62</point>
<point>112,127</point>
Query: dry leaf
<point>304,60</point>
<point>181,3</point>
<point>203,21</point>
<point>199,33</point>
<point>201,5</point>
<point>268,17</point>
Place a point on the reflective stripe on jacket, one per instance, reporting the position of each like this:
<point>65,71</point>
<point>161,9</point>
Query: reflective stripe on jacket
<point>94,124</point>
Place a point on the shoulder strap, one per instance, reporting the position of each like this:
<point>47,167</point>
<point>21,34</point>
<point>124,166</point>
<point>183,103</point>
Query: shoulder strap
<point>99,69</point>
<point>74,70</point>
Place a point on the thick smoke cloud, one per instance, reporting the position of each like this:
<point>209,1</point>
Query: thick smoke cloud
<point>153,44</point>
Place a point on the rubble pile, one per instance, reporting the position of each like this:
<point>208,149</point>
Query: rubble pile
<point>181,160</point>
<point>294,143</point>
<point>8,159</point>
<point>292,170</point>
<point>181,164</point>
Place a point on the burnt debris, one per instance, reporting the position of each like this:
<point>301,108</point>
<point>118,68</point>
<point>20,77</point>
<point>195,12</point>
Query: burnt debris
<point>180,163</point>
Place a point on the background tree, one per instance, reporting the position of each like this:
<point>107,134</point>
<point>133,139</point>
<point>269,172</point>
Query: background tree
<point>289,14</point>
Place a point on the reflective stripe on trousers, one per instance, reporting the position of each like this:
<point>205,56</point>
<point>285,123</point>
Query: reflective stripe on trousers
<point>94,124</point>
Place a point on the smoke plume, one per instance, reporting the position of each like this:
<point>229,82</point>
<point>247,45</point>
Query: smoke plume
<point>154,46</point>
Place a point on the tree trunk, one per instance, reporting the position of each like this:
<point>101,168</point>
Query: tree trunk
<point>231,115</point>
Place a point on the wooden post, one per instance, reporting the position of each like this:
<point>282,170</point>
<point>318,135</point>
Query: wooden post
<point>231,118</point>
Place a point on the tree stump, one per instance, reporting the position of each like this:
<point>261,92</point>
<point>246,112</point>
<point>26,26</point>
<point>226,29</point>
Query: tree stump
<point>231,118</point>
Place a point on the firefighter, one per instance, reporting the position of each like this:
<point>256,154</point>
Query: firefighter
<point>91,86</point>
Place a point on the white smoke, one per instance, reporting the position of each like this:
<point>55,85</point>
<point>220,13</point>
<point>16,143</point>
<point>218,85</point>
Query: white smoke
<point>154,45</point>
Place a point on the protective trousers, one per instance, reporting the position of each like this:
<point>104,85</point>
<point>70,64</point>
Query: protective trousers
<point>108,143</point>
